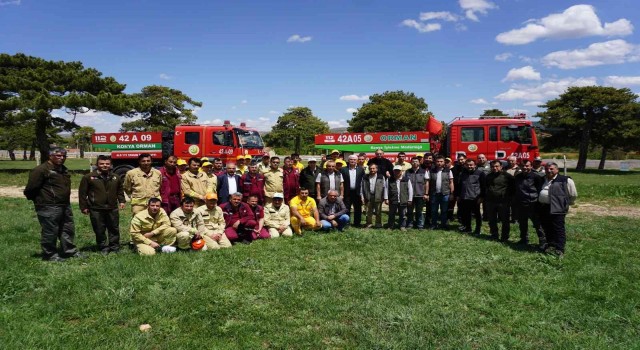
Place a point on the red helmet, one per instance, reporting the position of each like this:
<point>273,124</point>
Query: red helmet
<point>197,244</point>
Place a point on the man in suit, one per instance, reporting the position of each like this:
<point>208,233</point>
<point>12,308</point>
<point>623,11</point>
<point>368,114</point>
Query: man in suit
<point>228,184</point>
<point>352,178</point>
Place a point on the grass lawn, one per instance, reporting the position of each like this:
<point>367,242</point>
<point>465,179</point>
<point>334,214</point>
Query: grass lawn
<point>71,163</point>
<point>362,289</point>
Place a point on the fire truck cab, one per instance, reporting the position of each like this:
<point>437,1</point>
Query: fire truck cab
<point>496,137</point>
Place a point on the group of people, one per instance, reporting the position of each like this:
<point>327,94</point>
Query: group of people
<point>201,204</point>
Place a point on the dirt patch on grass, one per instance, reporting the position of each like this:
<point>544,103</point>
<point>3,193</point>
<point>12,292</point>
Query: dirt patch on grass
<point>600,209</point>
<point>16,192</point>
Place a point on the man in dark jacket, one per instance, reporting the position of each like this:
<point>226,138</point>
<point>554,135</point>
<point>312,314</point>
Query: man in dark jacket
<point>352,176</point>
<point>528,185</point>
<point>49,187</point>
<point>385,167</point>
<point>228,184</point>
<point>332,212</point>
<point>417,176</point>
<point>400,197</point>
<point>308,177</point>
<point>252,184</point>
<point>100,196</point>
<point>500,187</point>
<point>470,191</point>
<point>557,193</point>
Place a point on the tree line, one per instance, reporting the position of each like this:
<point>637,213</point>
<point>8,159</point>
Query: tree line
<point>34,92</point>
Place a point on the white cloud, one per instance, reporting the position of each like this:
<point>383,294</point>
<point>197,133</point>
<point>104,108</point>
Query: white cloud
<point>442,15</point>
<point>575,22</point>
<point>164,76</point>
<point>337,123</point>
<point>298,39</point>
<point>516,111</point>
<point>609,52</point>
<point>354,98</point>
<point>10,2</point>
<point>233,107</point>
<point>479,101</point>
<point>351,110</point>
<point>503,57</point>
<point>472,7</point>
<point>526,59</point>
<point>421,27</point>
<point>544,91</point>
<point>524,73</point>
<point>274,112</point>
<point>244,102</point>
<point>618,81</point>
<point>263,119</point>
<point>533,103</point>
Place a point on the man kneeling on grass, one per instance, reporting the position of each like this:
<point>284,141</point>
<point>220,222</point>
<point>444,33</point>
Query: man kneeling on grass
<point>277,217</point>
<point>304,213</point>
<point>240,219</point>
<point>151,230</point>
<point>333,212</point>
<point>190,226</point>
<point>214,222</point>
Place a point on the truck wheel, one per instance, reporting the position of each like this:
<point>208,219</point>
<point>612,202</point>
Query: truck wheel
<point>122,170</point>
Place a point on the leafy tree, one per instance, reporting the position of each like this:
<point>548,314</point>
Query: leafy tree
<point>82,137</point>
<point>161,109</point>
<point>493,113</point>
<point>589,115</point>
<point>295,130</point>
<point>31,88</point>
<point>391,111</point>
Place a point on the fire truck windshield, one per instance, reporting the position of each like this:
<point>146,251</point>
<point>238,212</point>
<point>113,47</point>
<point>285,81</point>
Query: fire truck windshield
<point>513,133</point>
<point>249,138</point>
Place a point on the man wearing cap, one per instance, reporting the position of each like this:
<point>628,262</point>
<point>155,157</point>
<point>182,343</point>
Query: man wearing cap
<point>308,177</point>
<point>189,225</point>
<point>400,196</point>
<point>194,183</point>
<point>212,179</point>
<point>151,229</point>
<point>329,179</point>
<point>304,212</point>
<point>418,178</point>
<point>263,166</point>
<point>182,166</point>
<point>214,223</point>
<point>385,167</point>
<point>170,187</point>
<point>273,180</point>
<point>374,192</point>
<point>352,176</point>
<point>401,162</point>
<point>142,183</point>
<point>252,184</point>
<point>100,196</point>
<point>228,183</point>
<point>241,167</point>
<point>49,187</point>
<point>538,168</point>
<point>332,212</point>
<point>277,217</point>
<point>334,155</point>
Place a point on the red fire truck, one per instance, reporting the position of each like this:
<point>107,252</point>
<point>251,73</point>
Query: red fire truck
<point>225,142</point>
<point>495,137</point>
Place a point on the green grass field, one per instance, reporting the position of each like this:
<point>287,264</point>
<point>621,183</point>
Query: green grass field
<point>362,289</point>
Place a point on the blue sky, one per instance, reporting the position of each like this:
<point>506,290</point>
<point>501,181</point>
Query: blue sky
<point>251,60</point>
